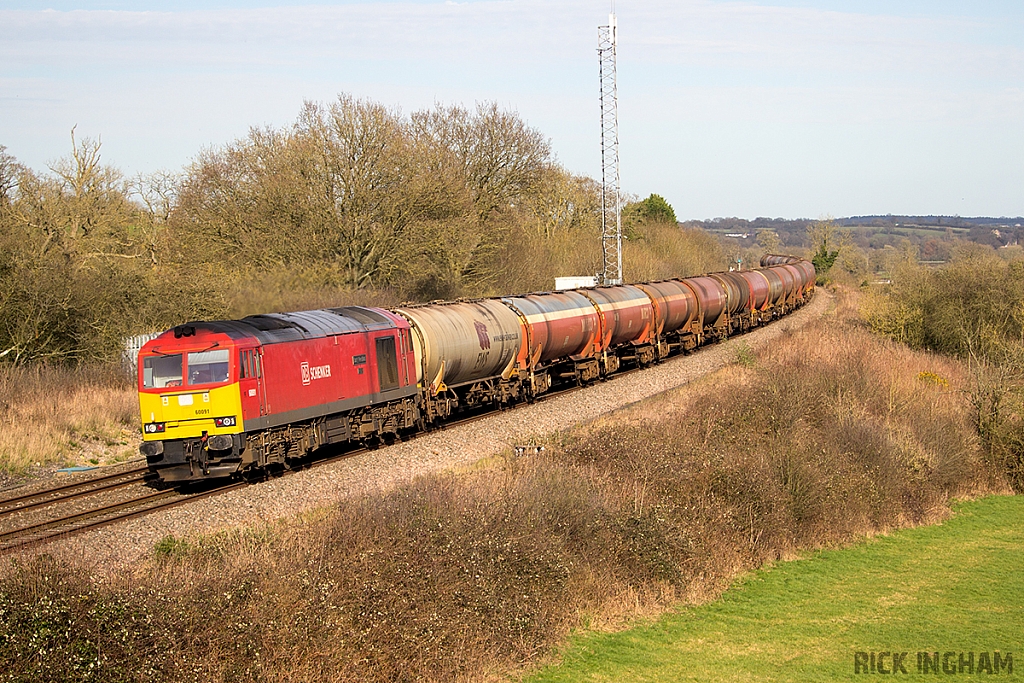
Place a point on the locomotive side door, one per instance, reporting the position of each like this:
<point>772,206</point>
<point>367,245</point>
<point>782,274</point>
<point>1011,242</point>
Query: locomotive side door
<point>250,379</point>
<point>387,363</point>
<point>261,382</point>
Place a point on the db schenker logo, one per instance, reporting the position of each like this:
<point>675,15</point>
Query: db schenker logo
<point>315,372</point>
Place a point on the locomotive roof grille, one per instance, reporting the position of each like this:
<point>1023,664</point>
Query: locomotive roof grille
<point>272,328</point>
<point>366,316</point>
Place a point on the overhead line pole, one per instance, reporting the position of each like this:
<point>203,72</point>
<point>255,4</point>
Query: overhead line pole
<point>611,209</point>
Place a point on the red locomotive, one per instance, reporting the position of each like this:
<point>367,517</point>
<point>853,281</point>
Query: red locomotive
<point>229,397</point>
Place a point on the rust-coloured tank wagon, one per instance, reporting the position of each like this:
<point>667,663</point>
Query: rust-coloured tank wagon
<point>776,288</point>
<point>232,397</point>
<point>675,312</point>
<point>712,306</point>
<point>760,289</point>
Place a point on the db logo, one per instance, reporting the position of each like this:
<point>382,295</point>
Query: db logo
<point>481,335</point>
<point>315,372</point>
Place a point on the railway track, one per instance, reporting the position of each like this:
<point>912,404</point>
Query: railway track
<point>66,492</point>
<point>39,531</point>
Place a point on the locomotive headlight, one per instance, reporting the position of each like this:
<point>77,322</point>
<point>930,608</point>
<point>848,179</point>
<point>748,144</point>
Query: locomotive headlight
<point>155,427</point>
<point>224,421</point>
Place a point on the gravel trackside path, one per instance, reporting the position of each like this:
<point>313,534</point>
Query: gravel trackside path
<point>128,542</point>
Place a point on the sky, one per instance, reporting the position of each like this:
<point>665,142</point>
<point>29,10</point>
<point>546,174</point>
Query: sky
<point>777,108</point>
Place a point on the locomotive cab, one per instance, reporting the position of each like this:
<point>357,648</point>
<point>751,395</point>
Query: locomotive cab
<point>190,399</point>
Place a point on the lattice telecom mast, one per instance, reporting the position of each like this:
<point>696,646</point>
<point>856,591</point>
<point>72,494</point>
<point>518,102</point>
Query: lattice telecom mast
<point>611,219</point>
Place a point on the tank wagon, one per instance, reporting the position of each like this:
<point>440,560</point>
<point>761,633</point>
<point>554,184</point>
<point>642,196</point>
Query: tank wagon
<point>232,397</point>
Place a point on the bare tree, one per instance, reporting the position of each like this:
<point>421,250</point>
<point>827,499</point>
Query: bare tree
<point>499,156</point>
<point>10,169</point>
<point>561,202</point>
<point>769,241</point>
<point>357,162</point>
<point>157,192</point>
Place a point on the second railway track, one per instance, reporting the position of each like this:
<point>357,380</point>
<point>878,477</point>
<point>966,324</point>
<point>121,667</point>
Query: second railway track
<point>33,519</point>
<point>79,489</point>
<point>44,526</point>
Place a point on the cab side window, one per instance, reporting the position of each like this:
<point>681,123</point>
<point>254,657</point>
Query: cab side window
<point>248,364</point>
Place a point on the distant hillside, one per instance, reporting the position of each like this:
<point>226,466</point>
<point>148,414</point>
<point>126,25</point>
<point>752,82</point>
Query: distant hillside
<point>928,233</point>
<point>934,221</point>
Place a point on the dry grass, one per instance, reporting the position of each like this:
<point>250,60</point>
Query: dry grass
<point>458,577</point>
<point>60,416</point>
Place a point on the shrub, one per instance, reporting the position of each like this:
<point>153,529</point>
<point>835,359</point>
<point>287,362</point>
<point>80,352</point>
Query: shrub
<point>831,434</point>
<point>971,308</point>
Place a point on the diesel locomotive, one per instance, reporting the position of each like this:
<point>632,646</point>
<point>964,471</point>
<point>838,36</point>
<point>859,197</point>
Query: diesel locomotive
<point>232,397</point>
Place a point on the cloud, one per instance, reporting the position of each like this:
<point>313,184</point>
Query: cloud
<point>652,31</point>
<point>202,77</point>
<point>730,42</point>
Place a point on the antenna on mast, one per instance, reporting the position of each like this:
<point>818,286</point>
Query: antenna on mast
<point>611,218</point>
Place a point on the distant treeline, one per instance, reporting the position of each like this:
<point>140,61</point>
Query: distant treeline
<point>866,246</point>
<point>933,221</point>
<point>352,203</point>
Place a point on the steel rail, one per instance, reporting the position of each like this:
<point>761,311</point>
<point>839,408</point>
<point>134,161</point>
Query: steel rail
<point>71,486</point>
<point>29,502</point>
<point>57,525</point>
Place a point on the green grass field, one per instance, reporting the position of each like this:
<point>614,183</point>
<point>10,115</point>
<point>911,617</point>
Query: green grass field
<point>955,587</point>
